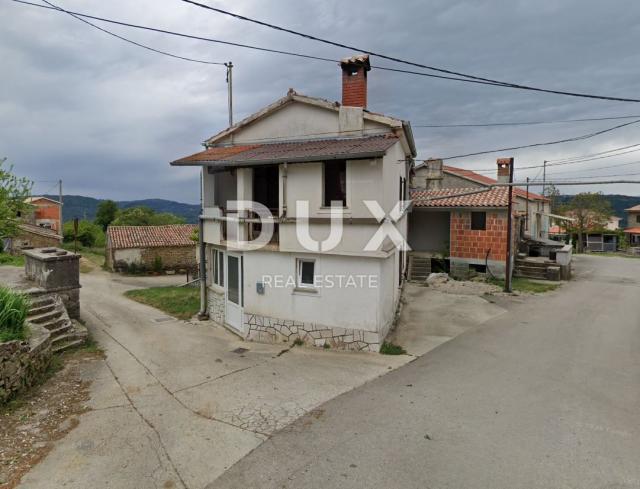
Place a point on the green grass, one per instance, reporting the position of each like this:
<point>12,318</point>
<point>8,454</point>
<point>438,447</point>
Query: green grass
<point>94,254</point>
<point>617,255</point>
<point>180,302</point>
<point>520,284</point>
<point>14,308</point>
<point>391,349</point>
<point>11,260</point>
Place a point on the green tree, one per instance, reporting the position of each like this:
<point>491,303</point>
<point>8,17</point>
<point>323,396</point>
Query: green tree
<point>13,194</point>
<point>590,211</point>
<point>553,194</point>
<point>89,233</point>
<point>144,216</point>
<point>106,214</point>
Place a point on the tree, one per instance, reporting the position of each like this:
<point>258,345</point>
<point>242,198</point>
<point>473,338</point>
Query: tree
<point>13,194</point>
<point>553,194</point>
<point>144,216</point>
<point>89,233</point>
<point>590,211</point>
<point>106,214</point>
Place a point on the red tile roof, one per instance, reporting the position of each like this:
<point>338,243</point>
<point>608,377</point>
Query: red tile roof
<point>495,197</point>
<point>476,177</point>
<point>119,237</point>
<point>635,230</point>
<point>292,151</point>
<point>634,208</point>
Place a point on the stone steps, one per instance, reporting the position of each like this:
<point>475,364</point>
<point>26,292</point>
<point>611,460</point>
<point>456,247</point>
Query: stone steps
<point>49,312</point>
<point>46,317</point>
<point>419,268</point>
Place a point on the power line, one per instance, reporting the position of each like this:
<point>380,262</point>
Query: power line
<point>595,176</point>
<point>526,123</point>
<point>399,60</point>
<point>240,45</point>
<point>571,158</point>
<point>547,143</point>
<point>596,168</point>
<point>122,38</point>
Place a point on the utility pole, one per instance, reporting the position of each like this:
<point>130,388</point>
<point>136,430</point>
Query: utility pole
<point>527,204</point>
<point>544,177</point>
<point>508,271</point>
<point>229,66</point>
<point>60,200</point>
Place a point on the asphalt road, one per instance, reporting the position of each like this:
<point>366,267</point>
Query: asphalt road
<point>545,396</point>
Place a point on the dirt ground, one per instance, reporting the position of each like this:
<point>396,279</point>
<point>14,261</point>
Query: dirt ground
<point>30,424</point>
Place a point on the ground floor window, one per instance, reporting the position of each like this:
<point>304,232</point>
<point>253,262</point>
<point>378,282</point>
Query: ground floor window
<point>217,267</point>
<point>306,272</point>
<point>478,221</point>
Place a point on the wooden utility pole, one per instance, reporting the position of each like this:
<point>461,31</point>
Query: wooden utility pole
<point>508,262</point>
<point>60,231</point>
<point>229,66</point>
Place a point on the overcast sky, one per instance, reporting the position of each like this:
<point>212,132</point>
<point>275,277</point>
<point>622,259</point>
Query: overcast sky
<point>107,117</point>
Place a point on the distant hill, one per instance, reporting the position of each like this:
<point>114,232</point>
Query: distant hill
<point>618,202</point>
<point>86,207</point>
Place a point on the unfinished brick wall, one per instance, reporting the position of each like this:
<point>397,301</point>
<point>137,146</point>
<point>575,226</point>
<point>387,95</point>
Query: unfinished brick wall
<point>470,244</point>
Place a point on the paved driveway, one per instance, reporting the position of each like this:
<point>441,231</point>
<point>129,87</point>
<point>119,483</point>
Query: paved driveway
<point>175,403</point>
<point>544,396</point>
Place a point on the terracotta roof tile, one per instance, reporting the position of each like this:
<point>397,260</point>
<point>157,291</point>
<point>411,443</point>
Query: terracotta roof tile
<point>635,230</point>
<point>495,197</point>
<point>476,177</point>
<point>120,237</point>
<point>293,151</point>
<point>634,208</point>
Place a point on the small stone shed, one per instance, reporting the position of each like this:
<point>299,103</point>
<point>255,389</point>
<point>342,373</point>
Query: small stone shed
<point>32,236</point>
<point>144,247</point>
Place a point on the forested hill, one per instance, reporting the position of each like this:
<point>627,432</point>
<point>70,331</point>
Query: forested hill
<point>86,207</point>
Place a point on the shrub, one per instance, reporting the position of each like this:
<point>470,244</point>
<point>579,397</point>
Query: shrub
<point>157,264</point>
<point>14,308</point>
<point>89,234</point>
<point>391,349</point>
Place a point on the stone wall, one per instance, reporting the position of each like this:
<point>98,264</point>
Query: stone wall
<point>273,330</point>
<point>173,257</point>
<point>216,305</point>
<point>22,363</point>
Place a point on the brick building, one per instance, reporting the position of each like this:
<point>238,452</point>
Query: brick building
<point>47,213</point>
<point>465,226</point>
<point>169,247</point>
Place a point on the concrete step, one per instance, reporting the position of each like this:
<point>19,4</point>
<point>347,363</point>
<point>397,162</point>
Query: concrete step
<point>55,323</point>
<point>66,328</point>
<point>41,300</point>
<point>536,264</point>
<point>525,274</point>
<point>41,309</point>
<point>46,317</point>
<point>66,345</point>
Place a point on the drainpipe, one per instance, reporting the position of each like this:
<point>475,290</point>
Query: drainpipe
<point>202,314</point>
<point>284,190</point>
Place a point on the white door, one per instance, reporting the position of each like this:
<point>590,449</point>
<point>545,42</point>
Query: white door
<point>233,292</point>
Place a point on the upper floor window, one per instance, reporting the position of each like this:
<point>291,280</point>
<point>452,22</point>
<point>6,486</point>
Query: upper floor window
<point>638,218</point>
<point>478,221</point>
<point>335,182</point>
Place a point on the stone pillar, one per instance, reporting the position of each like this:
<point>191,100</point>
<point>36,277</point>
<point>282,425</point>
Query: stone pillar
<point>56,271</point>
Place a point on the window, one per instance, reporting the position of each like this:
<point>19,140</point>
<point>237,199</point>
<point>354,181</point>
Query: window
<point>478,221</point>
<point>638,218</point>
<point>403,189</point>
<point>306,271</point>
<point>335,182</point>
<point>217,267</point>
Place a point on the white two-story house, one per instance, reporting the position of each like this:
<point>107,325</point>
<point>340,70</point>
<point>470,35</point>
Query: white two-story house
<point>307,160</point>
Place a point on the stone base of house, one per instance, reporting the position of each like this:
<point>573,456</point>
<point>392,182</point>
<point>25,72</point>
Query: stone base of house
<point>215,301</point>
<point>463,268</point>
<point>273,330</point>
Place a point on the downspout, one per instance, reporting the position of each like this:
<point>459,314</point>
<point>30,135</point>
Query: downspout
<point>202,314</point>
<point>284,190</point>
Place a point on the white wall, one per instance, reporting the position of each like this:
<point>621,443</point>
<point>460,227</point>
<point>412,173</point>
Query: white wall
<point>129,255</point>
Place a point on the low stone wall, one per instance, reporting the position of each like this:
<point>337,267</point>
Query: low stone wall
<point>172,257</point>
<point>216,305</point>
<point>273,330</point>
<point>22,363</point>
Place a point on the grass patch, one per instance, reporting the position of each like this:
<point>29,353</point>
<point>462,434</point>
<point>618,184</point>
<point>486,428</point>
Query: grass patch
<point>388,348</point>
<point>11,260</point>
<point>95,254</point>
<point>520,284</point>
<point>615,255</point>
<point>180,302</point>
<point>14,308</point>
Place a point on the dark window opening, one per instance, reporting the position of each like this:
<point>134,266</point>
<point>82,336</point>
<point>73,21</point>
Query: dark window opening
<point>266,186</point>
<point>478,221</point>
<point>478,268</point>
<point>335,182</point>
<point>638,218</point>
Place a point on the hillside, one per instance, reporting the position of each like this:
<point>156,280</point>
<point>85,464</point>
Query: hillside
<point>86,207</point>
<point>618,202</point>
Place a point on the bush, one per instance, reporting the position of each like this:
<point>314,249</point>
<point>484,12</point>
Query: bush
<point>391,349</point>
<point>89,234</point>
<point>157,264</point>
<point>14,309</point>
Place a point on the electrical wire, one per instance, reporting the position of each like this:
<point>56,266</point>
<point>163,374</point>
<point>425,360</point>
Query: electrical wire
<point>402,61</point>
<point>135,43</point>
<point>525,123</point>
<point>547,143</point>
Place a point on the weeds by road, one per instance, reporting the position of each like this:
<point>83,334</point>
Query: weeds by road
<point>179,302</point>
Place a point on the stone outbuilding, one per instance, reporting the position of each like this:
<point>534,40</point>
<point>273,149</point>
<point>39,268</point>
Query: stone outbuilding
<point>169,247</point>
<point>32,236</point>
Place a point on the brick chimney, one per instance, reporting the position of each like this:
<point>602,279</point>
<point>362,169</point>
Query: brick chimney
<point>504,169</point>
<point>354,80</point>
<point>434,174</point>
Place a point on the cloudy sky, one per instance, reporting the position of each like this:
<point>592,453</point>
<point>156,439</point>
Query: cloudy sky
<point>107,117</point>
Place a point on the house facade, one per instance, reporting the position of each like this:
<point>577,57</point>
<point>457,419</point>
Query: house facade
<point>169,247</point>
<point>633,225</point>
<point>534,208</point>
<point>47,213</point>
<point>313,166</point>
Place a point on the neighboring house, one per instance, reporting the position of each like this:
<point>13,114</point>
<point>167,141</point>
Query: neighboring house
<point>333,156</point>
<point>633,225</point>
<point>600,234</point>
<point>31,236</point>
<point>613,224</point>
<point>169,247</point>
<point>535,208</point>
<point>467,226</point>
<point>46,213</point>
